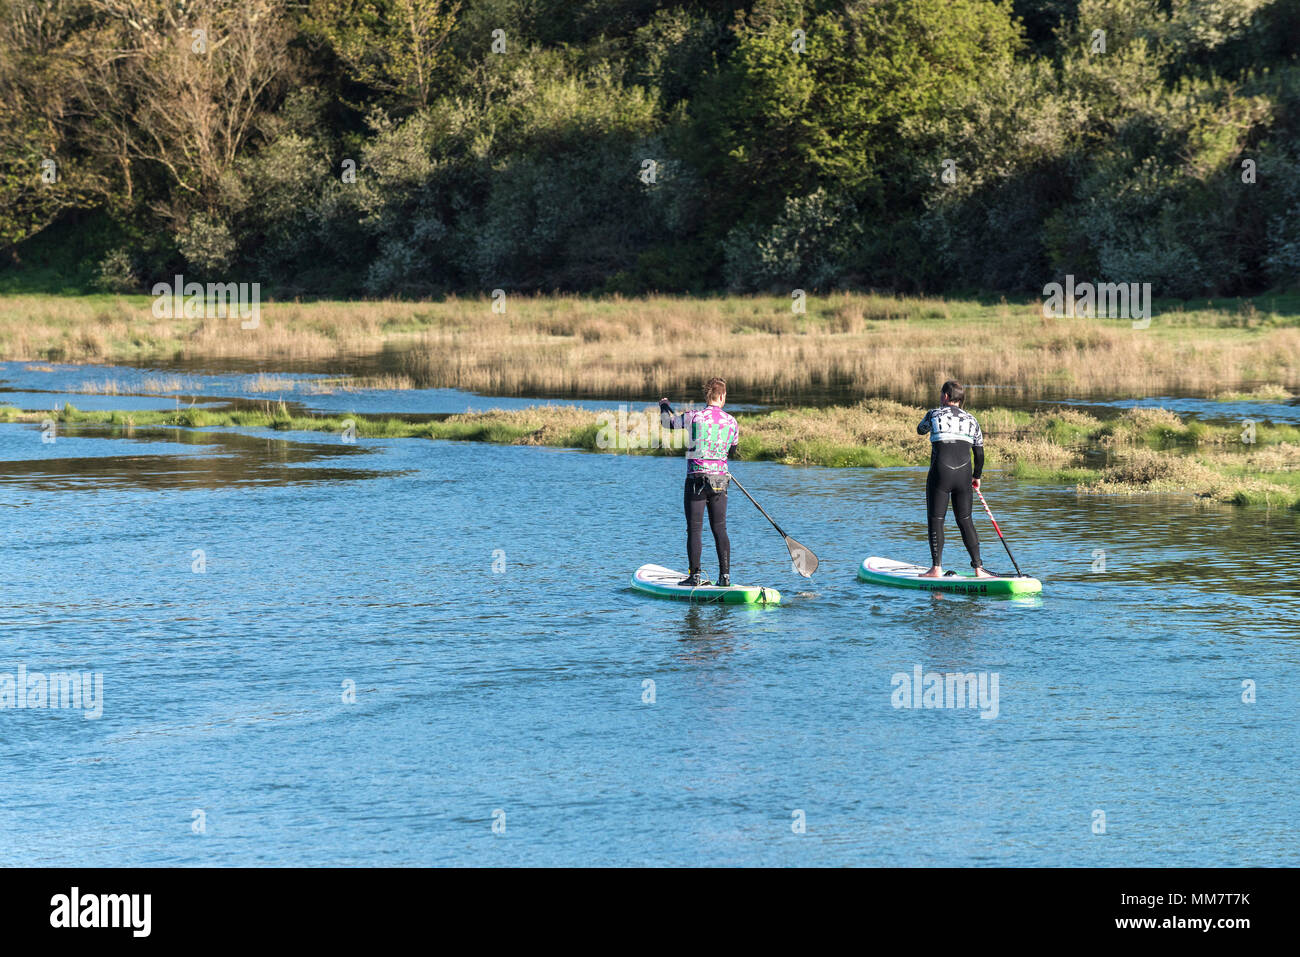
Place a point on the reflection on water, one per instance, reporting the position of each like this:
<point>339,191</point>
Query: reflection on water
<point>313,386</point>
<point>201,459</point>
<point>706,633</point>
<point>1029,601</point>
<point>42,386</point>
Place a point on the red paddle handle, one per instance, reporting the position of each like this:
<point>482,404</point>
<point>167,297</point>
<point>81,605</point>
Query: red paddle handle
<point>1003,538</point>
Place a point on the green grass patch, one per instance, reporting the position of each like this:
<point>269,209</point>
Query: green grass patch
<point>827,454</point>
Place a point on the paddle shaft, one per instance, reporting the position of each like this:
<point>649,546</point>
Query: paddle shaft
<point>996,529</point>
<point>759,507</point>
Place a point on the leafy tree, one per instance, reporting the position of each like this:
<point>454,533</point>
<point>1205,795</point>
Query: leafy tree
<point>784,118</point>
<point>394,47</point>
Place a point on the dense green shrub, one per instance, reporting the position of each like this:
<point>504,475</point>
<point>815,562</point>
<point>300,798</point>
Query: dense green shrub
<point>116,274</point>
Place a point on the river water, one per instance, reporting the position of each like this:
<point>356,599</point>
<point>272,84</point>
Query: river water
<point>320,653</point>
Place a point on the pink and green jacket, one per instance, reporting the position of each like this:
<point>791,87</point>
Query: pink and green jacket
<point>712,436</point>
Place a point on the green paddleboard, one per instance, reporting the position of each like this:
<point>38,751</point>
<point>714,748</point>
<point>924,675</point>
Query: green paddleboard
<point>886,571</point>
<point>660,581</point>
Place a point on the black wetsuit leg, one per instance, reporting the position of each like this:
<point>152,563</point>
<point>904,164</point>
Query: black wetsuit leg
<point>717,504</point>
<point>963,499</point>
<point>950,476</point>
<point>699,496</point>
<point>693,499</point>
<point>936,510</point>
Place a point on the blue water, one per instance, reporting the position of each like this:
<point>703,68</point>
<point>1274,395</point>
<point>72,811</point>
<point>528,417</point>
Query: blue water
<point>37,401</point>
<point>520,690</point>
<point>1210,410</point>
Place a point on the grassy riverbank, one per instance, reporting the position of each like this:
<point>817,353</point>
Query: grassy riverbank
<point>1140,451</point>
<point>860,345</point>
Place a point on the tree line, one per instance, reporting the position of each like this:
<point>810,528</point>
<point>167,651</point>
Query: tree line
<point>425,147</point>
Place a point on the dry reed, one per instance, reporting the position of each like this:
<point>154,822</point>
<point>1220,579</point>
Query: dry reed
<point>852,344</point>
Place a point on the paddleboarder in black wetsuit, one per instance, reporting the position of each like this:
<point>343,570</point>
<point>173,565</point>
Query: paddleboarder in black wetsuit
<point>954,435</point>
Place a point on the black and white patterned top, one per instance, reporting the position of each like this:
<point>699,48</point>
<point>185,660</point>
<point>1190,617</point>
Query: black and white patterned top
<point>951,424</point>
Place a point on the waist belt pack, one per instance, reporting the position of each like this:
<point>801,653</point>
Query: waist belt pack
<point>718,483</point>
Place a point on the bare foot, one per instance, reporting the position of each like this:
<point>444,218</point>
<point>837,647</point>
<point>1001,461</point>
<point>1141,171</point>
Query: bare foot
<point>981,573</point>
<point>934,572</point>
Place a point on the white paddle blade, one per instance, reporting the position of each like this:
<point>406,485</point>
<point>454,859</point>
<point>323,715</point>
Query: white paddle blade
<point>801,558</point>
